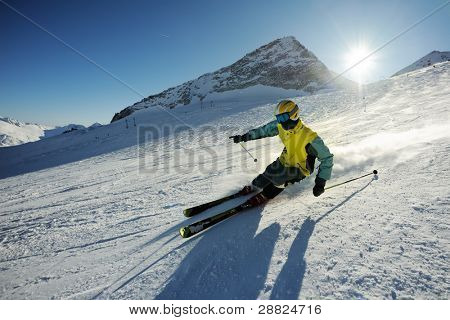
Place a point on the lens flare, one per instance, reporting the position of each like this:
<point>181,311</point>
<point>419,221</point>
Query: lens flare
<point>360,72</point>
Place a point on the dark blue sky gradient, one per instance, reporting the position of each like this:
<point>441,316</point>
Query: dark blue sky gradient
<point>153,45</point>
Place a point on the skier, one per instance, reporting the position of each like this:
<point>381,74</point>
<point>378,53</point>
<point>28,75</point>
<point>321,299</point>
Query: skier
<point>301,147</point>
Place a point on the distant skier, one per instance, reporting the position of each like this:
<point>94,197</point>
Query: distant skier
<point>296,162</point>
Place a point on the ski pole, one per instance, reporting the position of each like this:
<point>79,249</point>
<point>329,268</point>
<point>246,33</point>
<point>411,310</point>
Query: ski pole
<point>339,184</point>
<point>254,159</point>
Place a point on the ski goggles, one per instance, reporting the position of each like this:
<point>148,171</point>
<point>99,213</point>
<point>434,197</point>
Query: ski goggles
<point>283,117</point>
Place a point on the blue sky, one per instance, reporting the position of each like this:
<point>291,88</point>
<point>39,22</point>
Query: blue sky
<point>153,45</point>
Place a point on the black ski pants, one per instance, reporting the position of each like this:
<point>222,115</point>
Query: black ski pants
<point>276,177</point>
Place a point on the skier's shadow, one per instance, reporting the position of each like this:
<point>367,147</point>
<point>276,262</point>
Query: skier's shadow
<point>229,261</point>
<point>289,282</point>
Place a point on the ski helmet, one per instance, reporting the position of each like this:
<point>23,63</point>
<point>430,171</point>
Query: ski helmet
<point>285,110</point>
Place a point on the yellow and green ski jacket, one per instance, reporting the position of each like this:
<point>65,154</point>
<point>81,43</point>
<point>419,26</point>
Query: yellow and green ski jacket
<point>300,145</point>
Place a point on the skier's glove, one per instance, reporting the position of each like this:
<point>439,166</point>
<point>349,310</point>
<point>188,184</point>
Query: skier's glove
<point>242,138</point>
<point>319,188</point>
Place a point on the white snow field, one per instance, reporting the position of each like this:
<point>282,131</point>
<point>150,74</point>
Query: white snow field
<point>90,215</point>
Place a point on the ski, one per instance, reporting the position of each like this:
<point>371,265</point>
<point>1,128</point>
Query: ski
<point>189,212</point>
<point>204,224</point>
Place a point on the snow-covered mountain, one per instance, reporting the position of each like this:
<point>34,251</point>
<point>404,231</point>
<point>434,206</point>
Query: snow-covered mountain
<point>426,61</point>
<point>92,215</point>
<point>284,64</point>
<point>14,132</point>
<point>95,125</point>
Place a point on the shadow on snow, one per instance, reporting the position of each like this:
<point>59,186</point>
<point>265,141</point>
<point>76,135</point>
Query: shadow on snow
<point>289,282</point>
<point>230,262</point>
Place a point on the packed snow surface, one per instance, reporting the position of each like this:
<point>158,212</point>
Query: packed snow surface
<point>94,215</point>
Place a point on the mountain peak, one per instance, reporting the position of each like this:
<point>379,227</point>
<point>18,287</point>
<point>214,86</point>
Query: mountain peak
<point>430,59</point>
<point>283,63</point>
<point>286,50</point>
<point>286,40</point>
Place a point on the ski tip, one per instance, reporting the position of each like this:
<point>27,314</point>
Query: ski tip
<point>185,232</point>
<point>187,212</point>
<point>246,190</point>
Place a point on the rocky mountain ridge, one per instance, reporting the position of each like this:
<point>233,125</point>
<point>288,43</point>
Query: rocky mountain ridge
<point>283,63</point>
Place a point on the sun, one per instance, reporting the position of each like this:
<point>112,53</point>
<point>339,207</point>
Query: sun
<point>360,72</point>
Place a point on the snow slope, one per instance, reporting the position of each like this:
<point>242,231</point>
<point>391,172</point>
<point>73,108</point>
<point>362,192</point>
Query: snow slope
<point>93,216</point>
<point>426,61</point>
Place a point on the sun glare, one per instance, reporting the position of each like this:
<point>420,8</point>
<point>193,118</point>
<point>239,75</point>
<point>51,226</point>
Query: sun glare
<point>360,72</point>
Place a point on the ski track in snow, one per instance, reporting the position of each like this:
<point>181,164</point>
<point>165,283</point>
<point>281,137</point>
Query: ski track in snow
<point>85,223</point>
